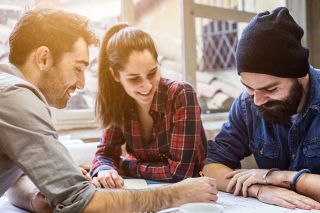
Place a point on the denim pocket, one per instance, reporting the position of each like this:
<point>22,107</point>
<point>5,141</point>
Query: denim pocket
<point>266,153</point>
<point>264,149</point>
<point>311,152</point>
<point>311,148</point>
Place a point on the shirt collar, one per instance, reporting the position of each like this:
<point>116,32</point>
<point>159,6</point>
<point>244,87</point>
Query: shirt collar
<point>160,98</point>
<point>314,90</point>
<point>12,70</point>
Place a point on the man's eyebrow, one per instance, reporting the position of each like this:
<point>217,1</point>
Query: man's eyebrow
<point>261,88</point>
<point>84,62</point>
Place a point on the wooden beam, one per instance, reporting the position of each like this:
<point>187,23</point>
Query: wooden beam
<point>313,31</point>
<point>189,57</point>
<point>127,11</point>
<point>218,13</point>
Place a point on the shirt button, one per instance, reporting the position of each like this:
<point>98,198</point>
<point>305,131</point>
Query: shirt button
<point>293,156</point>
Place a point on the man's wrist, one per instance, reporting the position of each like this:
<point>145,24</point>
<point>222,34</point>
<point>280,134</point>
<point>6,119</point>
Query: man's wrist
<point>296,178</point>
<point>254,190</point>
<point>280,178</point>
<point>268,174</point>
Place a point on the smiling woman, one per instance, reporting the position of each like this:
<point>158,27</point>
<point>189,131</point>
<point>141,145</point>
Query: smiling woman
<point>158,119</point>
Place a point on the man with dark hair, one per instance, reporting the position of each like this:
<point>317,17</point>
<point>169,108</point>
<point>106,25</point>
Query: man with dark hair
<point>48,57</point>
<point>276,119</point>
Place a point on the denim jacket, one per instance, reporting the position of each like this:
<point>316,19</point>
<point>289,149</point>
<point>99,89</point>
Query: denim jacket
<point>291,146</point>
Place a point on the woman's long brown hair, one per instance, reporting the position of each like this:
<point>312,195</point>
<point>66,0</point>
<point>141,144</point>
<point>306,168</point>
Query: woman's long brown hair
<point>118,43</point>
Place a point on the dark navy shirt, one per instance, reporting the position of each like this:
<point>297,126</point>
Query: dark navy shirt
<point>290,146</point>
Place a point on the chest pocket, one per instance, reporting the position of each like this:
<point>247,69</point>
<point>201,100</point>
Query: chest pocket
<point>266,153</point>
<point>311,152</point>
<point>312,149</point>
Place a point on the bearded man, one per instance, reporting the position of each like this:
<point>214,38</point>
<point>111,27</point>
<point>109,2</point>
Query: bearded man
<point>276,119</point>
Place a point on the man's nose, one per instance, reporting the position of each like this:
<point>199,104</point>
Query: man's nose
<point>81,81</point>
<point>259,98</point>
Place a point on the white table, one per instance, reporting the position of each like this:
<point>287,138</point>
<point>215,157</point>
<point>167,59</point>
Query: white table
<point>230,203</point>
<point>7,207</point>
<point>237,204</point>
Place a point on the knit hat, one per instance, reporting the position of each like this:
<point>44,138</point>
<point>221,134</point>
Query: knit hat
<point>271,44</point>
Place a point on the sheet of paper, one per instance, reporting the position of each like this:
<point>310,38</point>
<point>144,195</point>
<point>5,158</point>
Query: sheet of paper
<point>238,204</point>
<point>7,207</point>
<point>135,183</point>
<point>250,205</point>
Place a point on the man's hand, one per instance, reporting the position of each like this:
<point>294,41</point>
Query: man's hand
<point>242,179</point>
<point>109,179</point>
<point>285,198</point>
<point>202,189</point>
<point>40,204</point>
<point>94,182</point>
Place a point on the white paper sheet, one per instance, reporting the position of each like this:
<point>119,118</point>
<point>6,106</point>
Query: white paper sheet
<point>237,204</point>
<point>7,207</point>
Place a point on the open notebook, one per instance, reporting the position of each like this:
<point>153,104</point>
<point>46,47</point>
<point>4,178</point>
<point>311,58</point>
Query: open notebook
<point>141,183</point>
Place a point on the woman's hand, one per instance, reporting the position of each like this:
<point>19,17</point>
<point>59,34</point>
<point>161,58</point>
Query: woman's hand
<point>109,179</point>
<point>87,176</point>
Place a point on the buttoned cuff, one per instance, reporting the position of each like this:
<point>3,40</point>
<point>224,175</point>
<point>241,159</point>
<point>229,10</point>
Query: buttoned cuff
<point>95,172</point>
<point>77,201</point>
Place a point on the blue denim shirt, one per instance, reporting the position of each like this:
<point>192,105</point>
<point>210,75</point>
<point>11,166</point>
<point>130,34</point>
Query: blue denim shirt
<point>292,146</point>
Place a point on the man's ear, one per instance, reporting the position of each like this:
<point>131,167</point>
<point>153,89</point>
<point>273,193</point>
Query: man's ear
<point>115,75</point>
<point>43,58</point>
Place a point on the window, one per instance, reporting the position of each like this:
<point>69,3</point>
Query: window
<point>210,44</point>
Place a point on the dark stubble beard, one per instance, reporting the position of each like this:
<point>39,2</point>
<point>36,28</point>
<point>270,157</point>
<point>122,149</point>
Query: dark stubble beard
<point>280,111</point>
<point>51,88</point>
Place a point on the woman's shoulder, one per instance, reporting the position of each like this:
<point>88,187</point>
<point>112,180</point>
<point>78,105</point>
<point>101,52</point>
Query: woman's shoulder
<point>176,87</point>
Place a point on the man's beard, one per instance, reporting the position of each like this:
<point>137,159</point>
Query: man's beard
<point>280,111</point>
<point>51,87</point>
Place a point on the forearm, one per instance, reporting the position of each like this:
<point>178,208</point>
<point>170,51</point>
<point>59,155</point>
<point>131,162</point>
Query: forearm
<point>218,171</point>
<point>152,170</point>
<point>309,185</point>
<point>134,200</point>
<point>21,193</point>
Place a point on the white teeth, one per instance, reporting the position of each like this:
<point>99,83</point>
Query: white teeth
<point>145,94</point>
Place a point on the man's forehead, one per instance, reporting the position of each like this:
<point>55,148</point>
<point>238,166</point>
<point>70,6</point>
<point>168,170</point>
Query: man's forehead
<point>80,52</point>
<point>258,80</point>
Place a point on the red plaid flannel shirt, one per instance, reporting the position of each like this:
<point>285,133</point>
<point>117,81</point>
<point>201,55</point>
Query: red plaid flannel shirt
<point>178,146</point>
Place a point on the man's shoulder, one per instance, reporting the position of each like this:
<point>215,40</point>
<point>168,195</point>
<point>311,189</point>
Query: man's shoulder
<point>21,98</point>
<point>12,84</point>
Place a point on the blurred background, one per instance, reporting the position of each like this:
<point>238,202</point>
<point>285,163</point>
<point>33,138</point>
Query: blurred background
<point>196,41</point>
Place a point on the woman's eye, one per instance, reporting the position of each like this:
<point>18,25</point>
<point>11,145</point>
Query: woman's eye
<point>133,79</point>
<point>152,74</point>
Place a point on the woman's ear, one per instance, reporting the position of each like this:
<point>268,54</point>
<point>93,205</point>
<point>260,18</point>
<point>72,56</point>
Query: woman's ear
<point>115,76</point>
<point>43,58</point>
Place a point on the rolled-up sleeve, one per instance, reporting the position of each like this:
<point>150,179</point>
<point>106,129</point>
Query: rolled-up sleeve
<point>230,146</point>
<point>109,150</point>
<point>29,139</point>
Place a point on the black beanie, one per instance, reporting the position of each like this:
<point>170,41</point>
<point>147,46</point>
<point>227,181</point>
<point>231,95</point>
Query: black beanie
<point>271,44</point>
